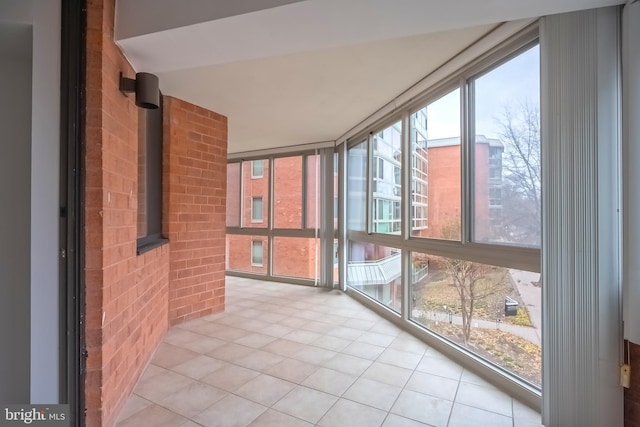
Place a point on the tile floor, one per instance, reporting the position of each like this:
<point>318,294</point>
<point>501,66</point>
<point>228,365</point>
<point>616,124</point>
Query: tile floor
<point>285,355</point>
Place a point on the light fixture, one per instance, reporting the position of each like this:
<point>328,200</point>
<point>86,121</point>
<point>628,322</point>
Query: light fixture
<point>146,87</point>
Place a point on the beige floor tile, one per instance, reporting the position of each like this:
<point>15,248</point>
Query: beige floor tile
<point>318,327</point>
<point>331,343</point>
<point>386,328</point>
<point>227,333</point>
<point>442,367</point>
<point>433,385</point>
<point>348,364</point>
<point>470,377</point>
<point>265,389</point>
<point>199,367</point>
<point>168,356</point>
<point>376,339</point>
<point>283,347</point>
<point>352,414</point>
<point>272,418</point>
<point>388,374</point>
<point>230,352</point>
<point>193,399</point>
<point>275,330</point>
<point>204,344</point>
<point>345,332</point>
<point>522,413</point>
<point>373,393</point>
<point>484,398</point>
<point>399,358</point>
<point>160,386</point>
<point>360,324</point>
<point>314,355</point>
<point>230,377</point>
<point>305,403</point>
<point>466,416</point>
<point>178,337</point>
<point>420,407</point>
<point>394,420</point>
<point>329,381</point>
<point>259,360</point>
<point>293,322</point>
<point>302,336</point>
<point>134,404</point>
<point>364,350</point>
<point>232,411</point>
<point>411,345</point>
<point>292,370</point>
<point>153,416</point>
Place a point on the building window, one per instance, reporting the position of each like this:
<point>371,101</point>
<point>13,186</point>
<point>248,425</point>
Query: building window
<point>257,169</point>
<point>256,209</point>
<point>256,253</point>
<point>149,218</point>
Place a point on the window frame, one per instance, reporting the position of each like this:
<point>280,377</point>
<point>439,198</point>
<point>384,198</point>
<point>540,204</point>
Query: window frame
<point>153,136</point>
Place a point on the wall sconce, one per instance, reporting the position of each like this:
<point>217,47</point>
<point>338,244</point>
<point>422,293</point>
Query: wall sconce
<point>146,87</point>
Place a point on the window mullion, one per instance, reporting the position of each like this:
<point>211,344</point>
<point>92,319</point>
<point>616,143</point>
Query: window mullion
<point>369,186</point>
<point>466,160</point>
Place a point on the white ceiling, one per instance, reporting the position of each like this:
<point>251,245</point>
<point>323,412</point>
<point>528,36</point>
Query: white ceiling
<point>288,72</point>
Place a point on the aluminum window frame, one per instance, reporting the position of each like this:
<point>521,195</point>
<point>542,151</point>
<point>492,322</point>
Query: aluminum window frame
<point>270,231</point>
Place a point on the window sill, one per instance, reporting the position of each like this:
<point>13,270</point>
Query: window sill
<point>147,244</point>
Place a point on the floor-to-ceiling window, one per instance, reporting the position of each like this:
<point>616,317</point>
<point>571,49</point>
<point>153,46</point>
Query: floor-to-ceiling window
<point>443,211</point>
<point>273,216</point>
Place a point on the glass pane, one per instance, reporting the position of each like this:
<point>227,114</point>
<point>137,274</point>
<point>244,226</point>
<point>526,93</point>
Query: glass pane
<point>312,191</point>
<point>435,169</point>
<point>142,225</point>
<point>233,195</point>
<point>336,261</point>
<point>296,257</point>
<point>356,187</point>
<point>255,196</point>
<point>287,206</point>
<point>257,250</point>
<point>376,271</point>
<point>249,254</point>
<point>257,168</point>
<point>386,183</point>
<point>336,184</point>
<point>507,152</point>
<point>492,311</point>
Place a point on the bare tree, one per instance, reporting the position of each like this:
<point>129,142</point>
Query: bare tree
<point>470,281</point>
<point>520,134</point>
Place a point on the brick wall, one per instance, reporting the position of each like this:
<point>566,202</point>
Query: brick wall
<point>632,395</point>
<point>126,294</point>
<point>195,158</point>
<point>130,298</point>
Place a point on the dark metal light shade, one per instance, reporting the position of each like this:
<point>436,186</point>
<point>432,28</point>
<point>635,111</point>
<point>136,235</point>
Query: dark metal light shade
<point>147,89</point>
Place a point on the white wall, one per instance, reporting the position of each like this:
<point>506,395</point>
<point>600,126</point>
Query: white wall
<point>44,16</point>
<point>15,211</point>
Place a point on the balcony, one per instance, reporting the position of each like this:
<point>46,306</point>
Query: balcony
<point>374,272</point>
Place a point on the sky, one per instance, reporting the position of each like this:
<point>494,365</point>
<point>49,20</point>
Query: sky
<point>511,84</point>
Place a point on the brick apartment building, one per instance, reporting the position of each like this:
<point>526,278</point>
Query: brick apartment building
<point>436,200</point>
